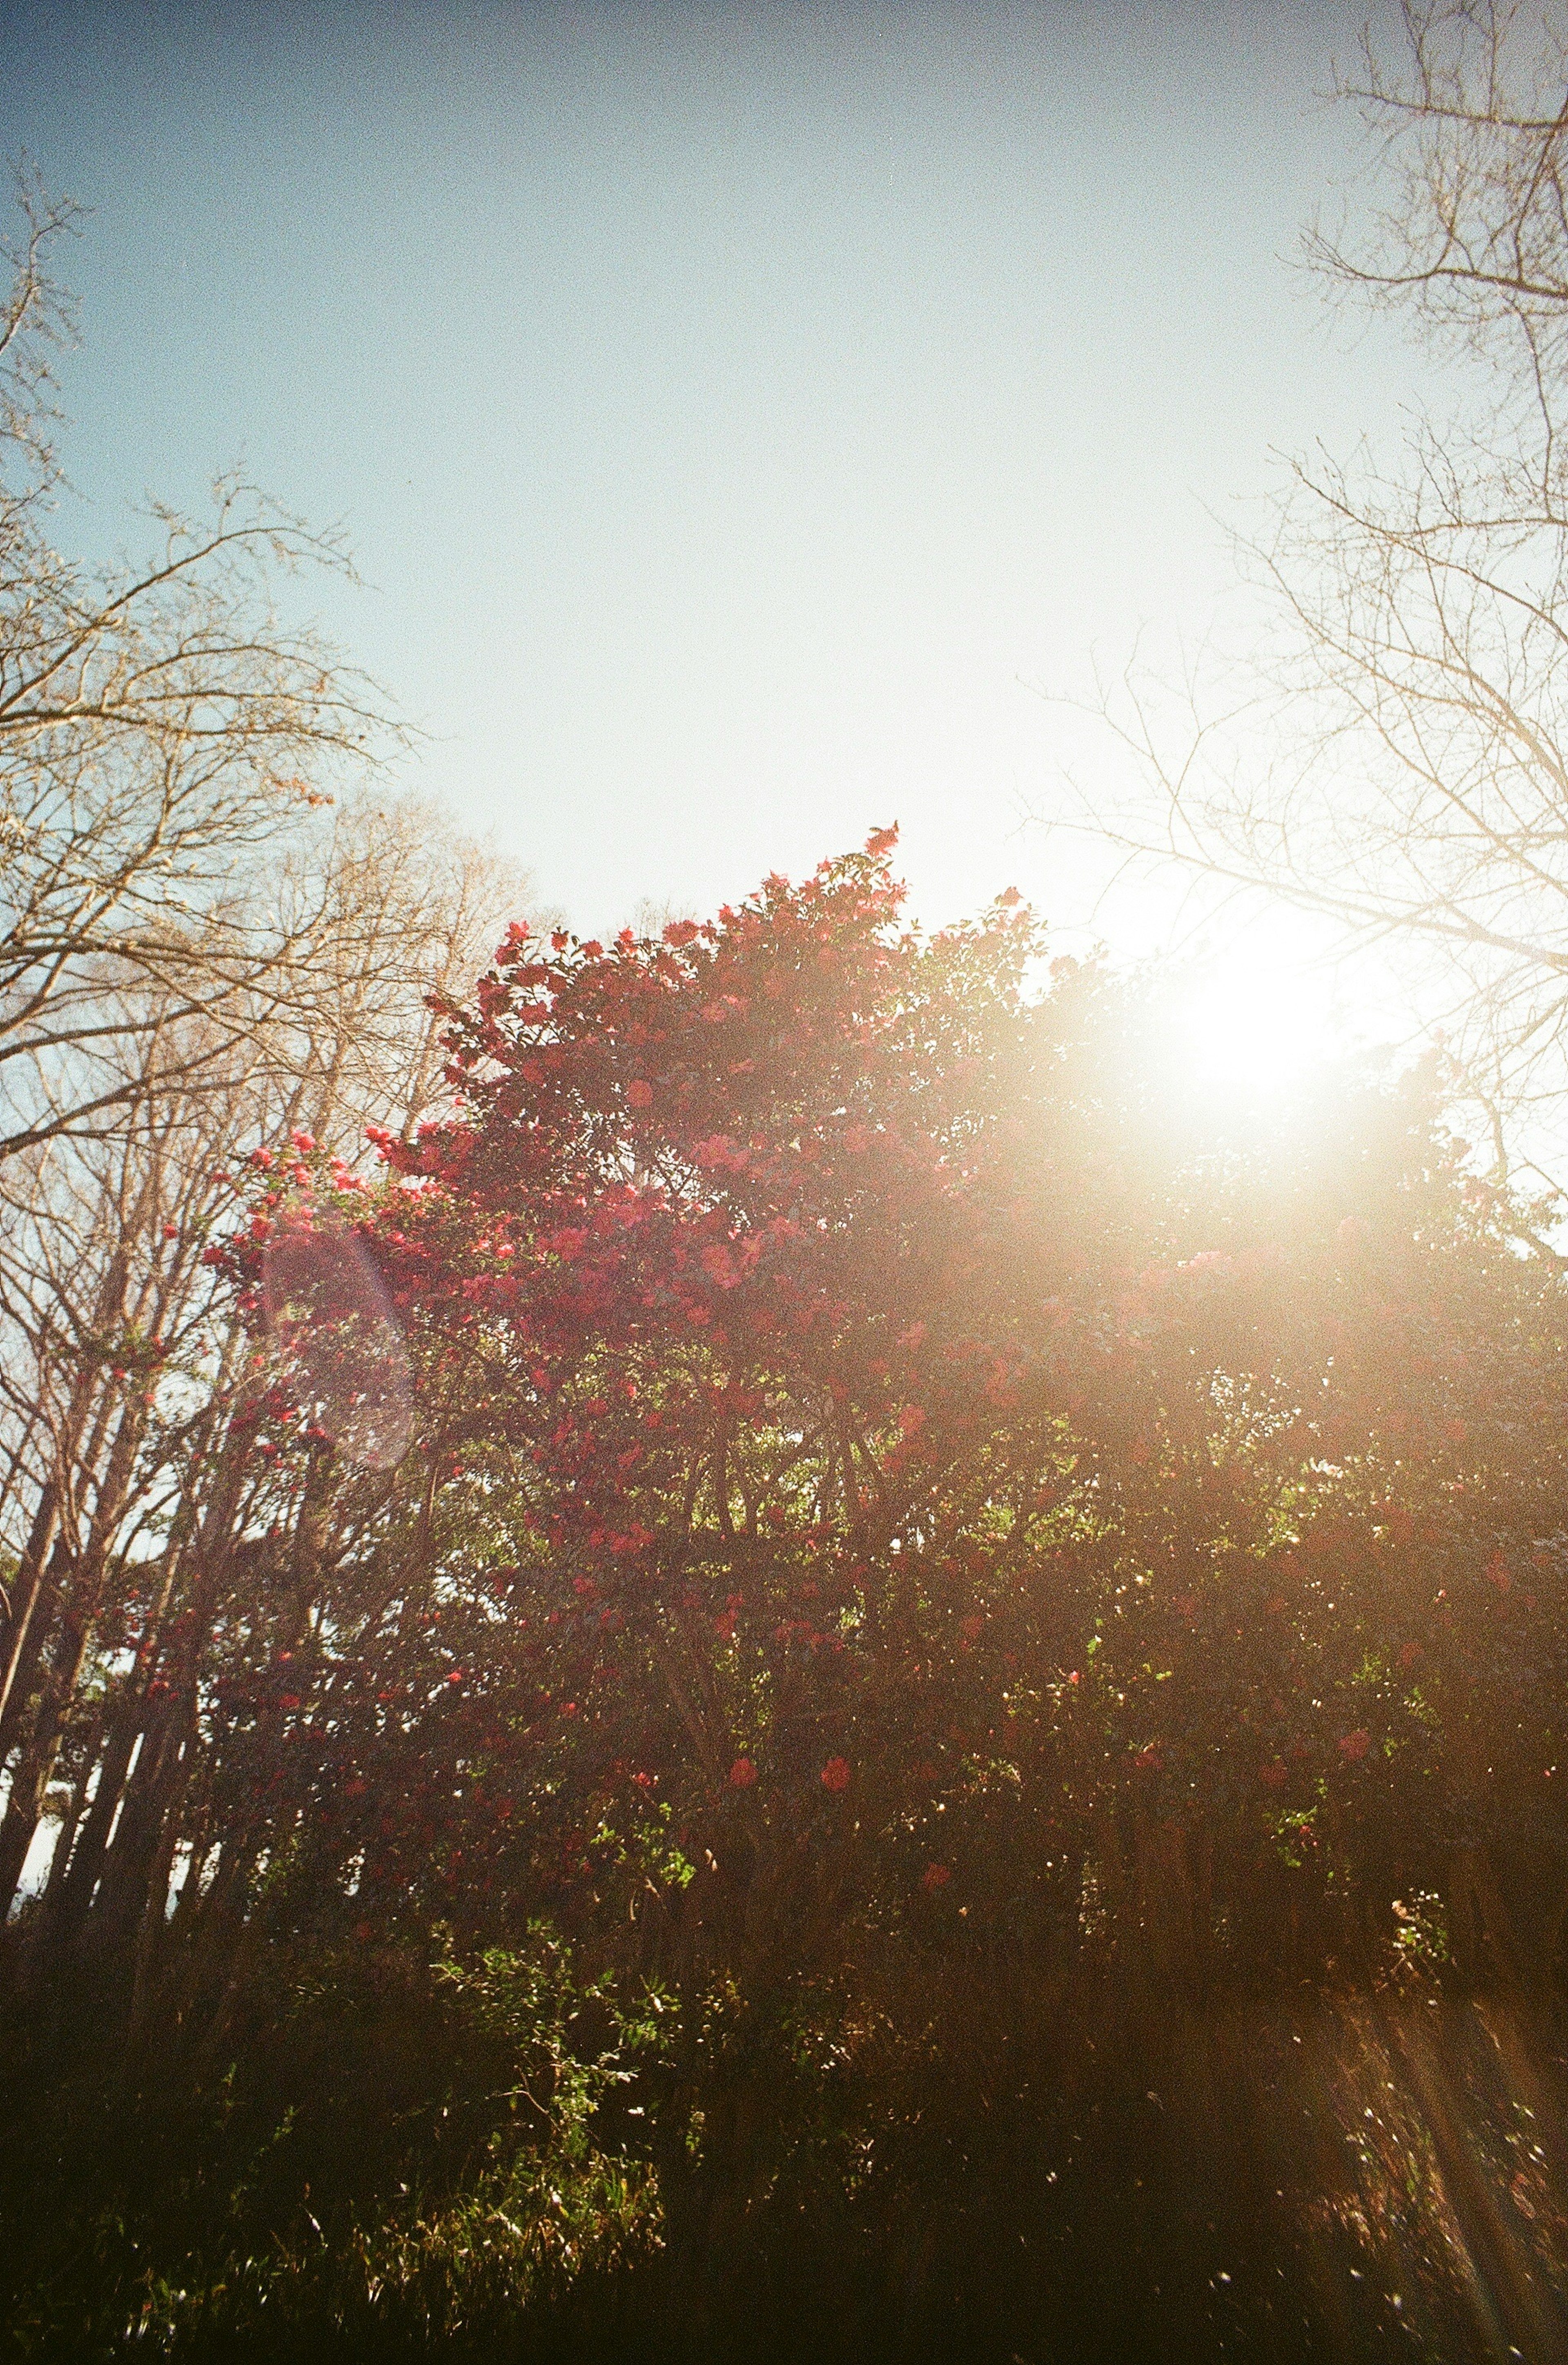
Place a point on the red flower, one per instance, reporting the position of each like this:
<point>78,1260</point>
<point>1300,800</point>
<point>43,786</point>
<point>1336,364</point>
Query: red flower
<point>639,1093</point>
<point>1355,1744</point>
<point>835,1774</point>
<point>742,1773</point>
<point>936,1875</point>
<point>718,1264</point>
<point>1276,1774</point>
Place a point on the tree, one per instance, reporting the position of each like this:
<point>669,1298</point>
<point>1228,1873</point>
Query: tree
<point>1393,753</point>
<point>913,1550</point>
<point>120,1354</point>
<point>163,731</point>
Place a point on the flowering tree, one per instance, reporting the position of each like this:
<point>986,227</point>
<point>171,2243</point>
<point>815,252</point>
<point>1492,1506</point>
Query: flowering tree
<point>872,1459</point>
<point>824,1483</point>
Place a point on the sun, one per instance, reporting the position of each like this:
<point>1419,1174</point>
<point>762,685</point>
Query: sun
<point>1254,1027</point>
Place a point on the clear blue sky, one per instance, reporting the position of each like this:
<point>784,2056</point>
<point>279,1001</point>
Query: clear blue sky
<point>733,409</point>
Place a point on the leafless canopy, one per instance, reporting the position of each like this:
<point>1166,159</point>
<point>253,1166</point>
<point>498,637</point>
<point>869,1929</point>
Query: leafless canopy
<point>220,926</point>
<point>163,732</point>
<point>1393,754</point>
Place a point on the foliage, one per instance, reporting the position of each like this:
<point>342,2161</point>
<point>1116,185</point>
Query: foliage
<point>929,1593</point>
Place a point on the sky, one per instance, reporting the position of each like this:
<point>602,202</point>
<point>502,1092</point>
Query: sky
<point>746,417</point>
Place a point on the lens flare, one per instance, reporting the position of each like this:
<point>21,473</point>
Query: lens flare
<point>328,1312</point>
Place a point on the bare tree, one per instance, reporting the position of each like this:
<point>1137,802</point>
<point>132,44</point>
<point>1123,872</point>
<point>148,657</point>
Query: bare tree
<point>399,911</point>
<point>1392,751</point>
<point>205,947</point>
<point>161,728</point>
<point>130,1496</point>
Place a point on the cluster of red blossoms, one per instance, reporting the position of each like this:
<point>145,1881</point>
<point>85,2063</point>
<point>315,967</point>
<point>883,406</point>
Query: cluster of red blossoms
<point>840,1371</point>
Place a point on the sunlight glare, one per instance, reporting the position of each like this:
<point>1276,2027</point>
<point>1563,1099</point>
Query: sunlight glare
<point>1254,1028</point>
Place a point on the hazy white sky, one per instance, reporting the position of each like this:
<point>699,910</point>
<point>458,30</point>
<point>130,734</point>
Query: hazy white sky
<point>735,409</point>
